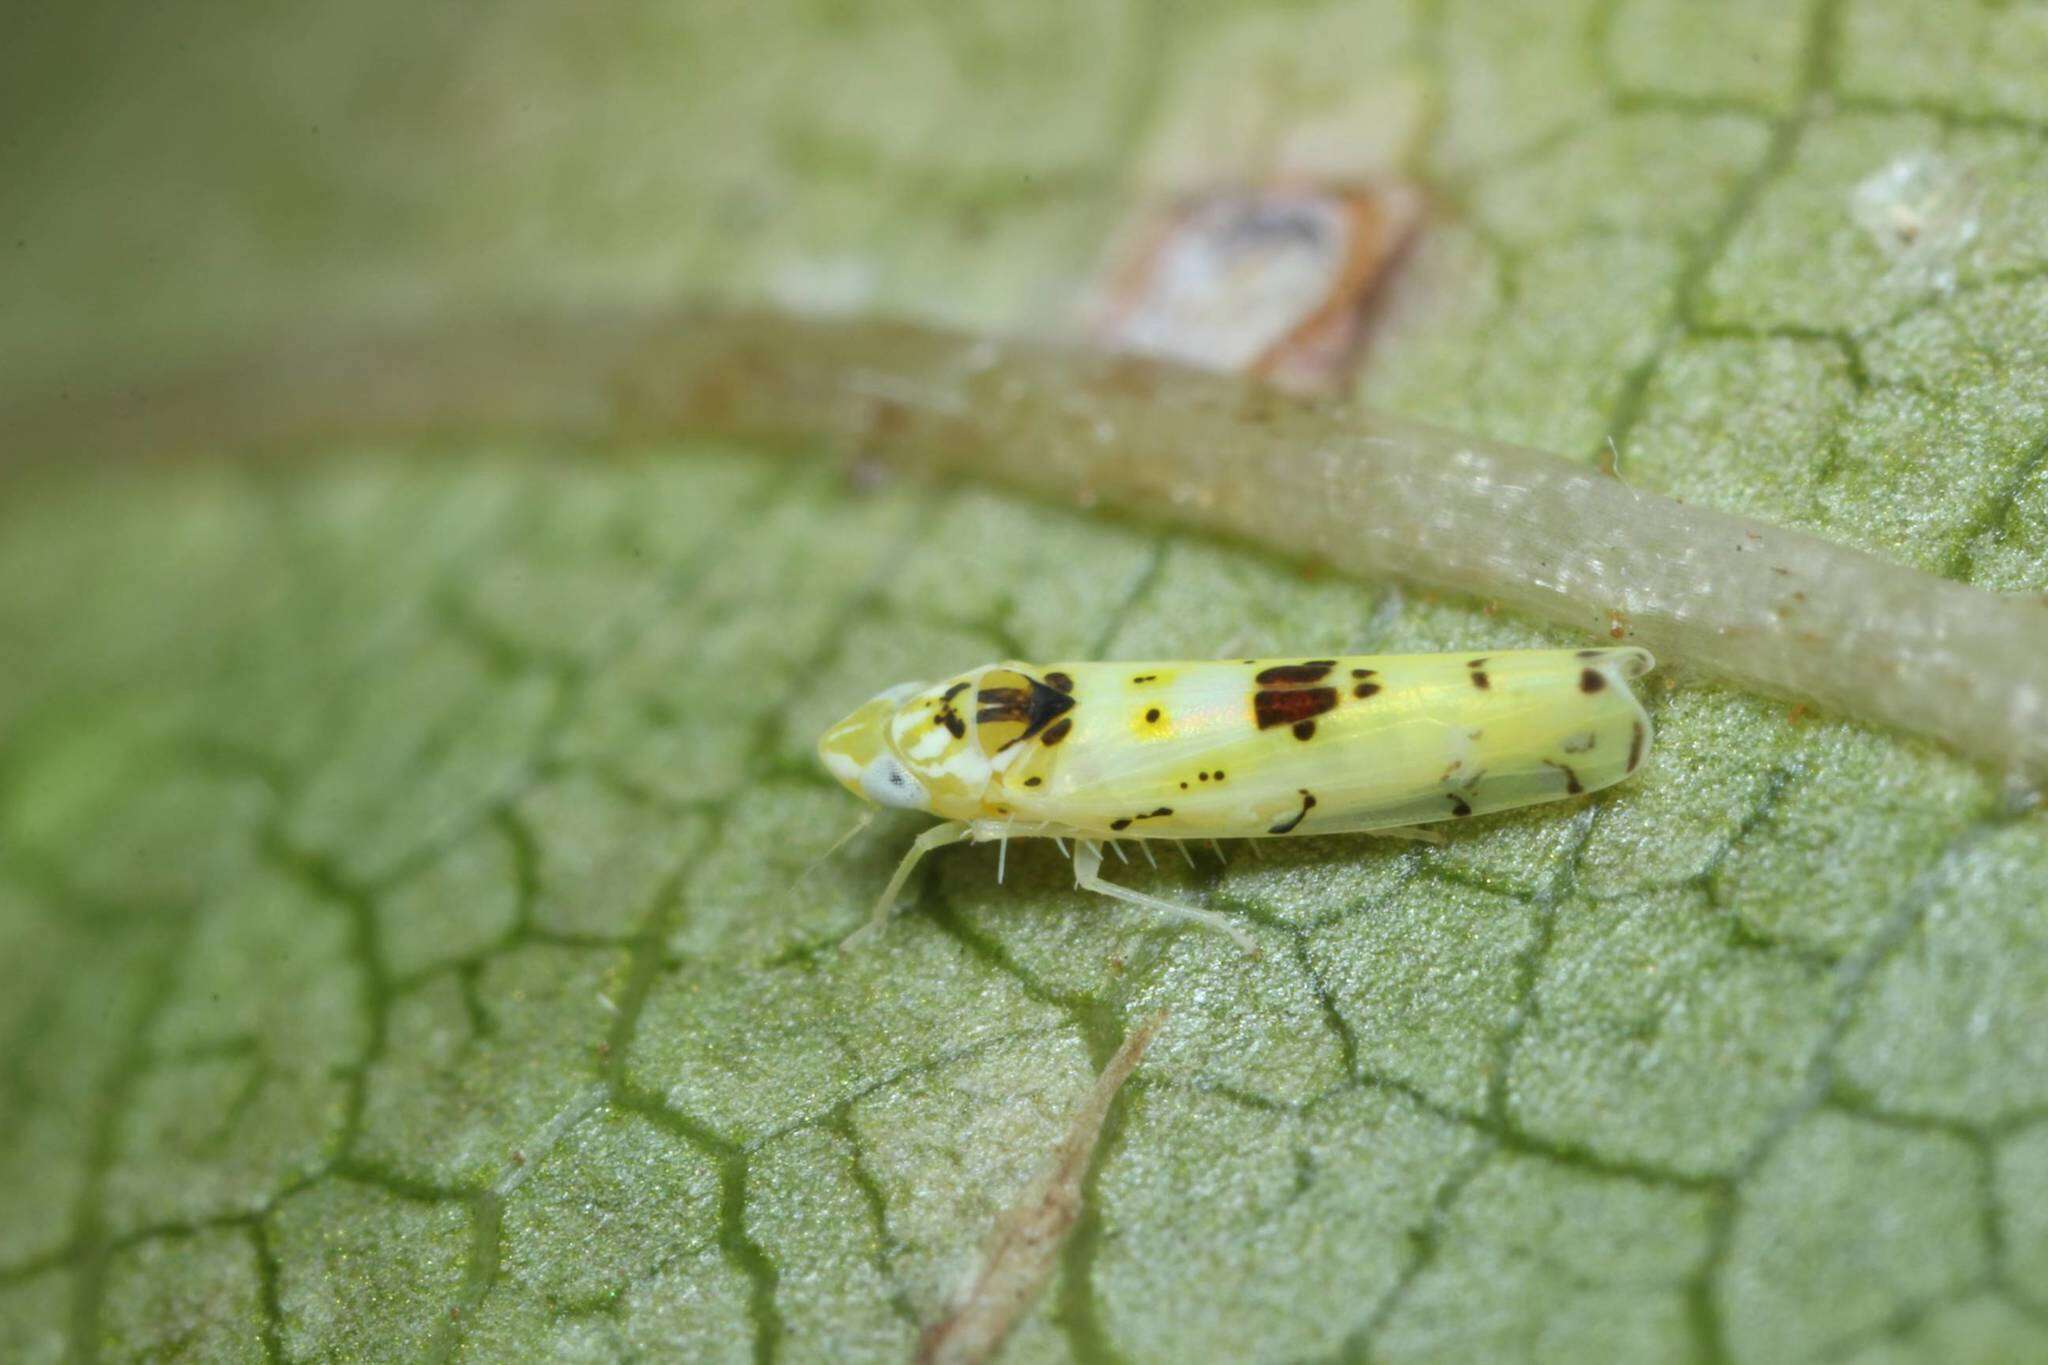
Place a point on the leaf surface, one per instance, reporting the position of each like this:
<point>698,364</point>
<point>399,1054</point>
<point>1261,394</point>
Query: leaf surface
<point>406,939</point>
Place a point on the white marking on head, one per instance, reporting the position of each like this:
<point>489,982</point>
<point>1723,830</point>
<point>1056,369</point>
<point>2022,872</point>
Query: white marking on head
<point>840,766</point>
<point>886,782</point>
<point>929,745</point>
<point>900,693</point>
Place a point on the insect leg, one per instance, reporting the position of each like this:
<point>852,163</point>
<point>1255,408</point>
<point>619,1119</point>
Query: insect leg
<point>938,836</point>
<point>1088,876</point>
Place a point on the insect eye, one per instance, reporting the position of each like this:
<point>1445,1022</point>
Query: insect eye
<point>886,782</point>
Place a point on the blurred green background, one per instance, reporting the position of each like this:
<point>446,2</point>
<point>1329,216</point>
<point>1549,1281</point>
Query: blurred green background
<point>405,950</point>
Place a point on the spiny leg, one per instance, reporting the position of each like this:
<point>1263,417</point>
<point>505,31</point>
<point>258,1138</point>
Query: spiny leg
<point>1088,876</point>
<point>938,836</point>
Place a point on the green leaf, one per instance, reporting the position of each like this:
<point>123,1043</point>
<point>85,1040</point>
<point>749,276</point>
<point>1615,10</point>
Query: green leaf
<point>407,938</point>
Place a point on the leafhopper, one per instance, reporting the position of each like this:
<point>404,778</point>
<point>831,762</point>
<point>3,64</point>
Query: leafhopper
<point>1237,749</point>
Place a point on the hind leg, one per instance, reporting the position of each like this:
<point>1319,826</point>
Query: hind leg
<point>1088,876</point>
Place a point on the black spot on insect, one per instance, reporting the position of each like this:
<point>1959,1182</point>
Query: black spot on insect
<point>951,720</point>
<point>1304,729</point>
<point>1298,675</point>
<point>1365,689</point>
<point>1635,745</point>
<point>1480,680</point>
<point>1591,653</point>
<point>1475,663</point>
<point>1286,826</point>
<point>1152,715</point>
<point>1203,776</point>
<point>1365,673</point>
<point>1294,706</point>
<point>1183,786</point>
<point>955,690</point>
<point>1572,785</point>
<point>1458,805</point>
<point>1060,730</point>
<point>1592,680</point>
<point>1219,774</point>
<point>1145,678</point>
<point>1060,681</point>
<point>1033,781</point>
<point>1127,821</point>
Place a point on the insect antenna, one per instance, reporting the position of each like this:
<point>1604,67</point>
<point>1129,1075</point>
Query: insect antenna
<point>867,818</point>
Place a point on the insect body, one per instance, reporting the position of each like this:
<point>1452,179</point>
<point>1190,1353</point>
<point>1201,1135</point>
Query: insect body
<point>1251,748</point>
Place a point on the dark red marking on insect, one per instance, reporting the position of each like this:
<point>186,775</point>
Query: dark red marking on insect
<point>1480,680</point>
<point>1635,746</point>
<point>1365,689</point>
<point>1033,781</point>
<point>1475,663</point>
<point>1145,678</point>
<point>1297,675</point>
<point>1296,706</point>
<point>1365,672</point>
<point>1057,732</point>
<point>1060,681</point>
<point>1592,680</point>
<point>955,690</point>
<point>1305,729</point>
<point>1572,784</point>
<point>1458,806</point>
<point>1286,826</point>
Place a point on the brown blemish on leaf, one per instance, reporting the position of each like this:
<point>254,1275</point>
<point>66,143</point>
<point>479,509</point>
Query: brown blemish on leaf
<point>1024,1246</point>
